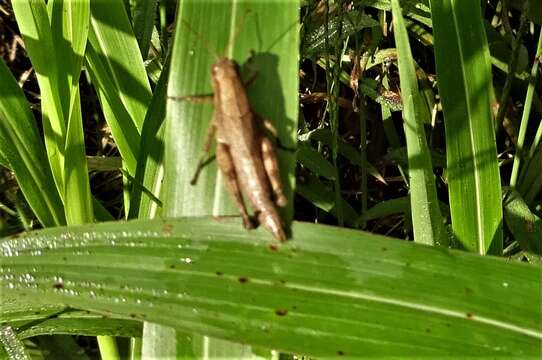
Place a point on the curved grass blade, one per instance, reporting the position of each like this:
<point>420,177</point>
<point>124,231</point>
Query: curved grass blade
<point>69,28</point>
<point>34,24</point>
<point>465,87</point>
<point>22,147</point>
<point>327,292</point>
<point>117,71</point>
<point>427,221</point>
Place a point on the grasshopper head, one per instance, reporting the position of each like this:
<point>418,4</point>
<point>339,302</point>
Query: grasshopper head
<point>224,69</point>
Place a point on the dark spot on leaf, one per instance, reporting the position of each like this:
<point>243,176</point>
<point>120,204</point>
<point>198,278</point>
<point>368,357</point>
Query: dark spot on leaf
<point>529,226</point>
<point>58,285</point>
<point>172,266</point>
<point>384,249</point>
<point>243,279</point>
<point>36,312</point>
<point>340,353</point>
<point>468,291</point>
<point>428,330</point>
<point>133,315</point>
<point>219,273</point>
<point>294,307</point>
<point>282,281</point>
<point>469,315</point>
<point>168,229</point>
<point>274,247</point>
<point>281,312</point>
<point>64,258</point>
<point>448,325</point>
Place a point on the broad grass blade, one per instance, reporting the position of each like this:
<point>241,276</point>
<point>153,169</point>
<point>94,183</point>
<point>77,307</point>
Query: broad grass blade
<point>204,30</point>
<point>329,291</point>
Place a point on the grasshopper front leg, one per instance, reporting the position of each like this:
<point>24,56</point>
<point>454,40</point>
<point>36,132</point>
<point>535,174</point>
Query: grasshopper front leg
<point>203,158</point>
<point>225,163</point>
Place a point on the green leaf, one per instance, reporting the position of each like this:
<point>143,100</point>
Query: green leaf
<point>61,347</point>
<point>22,147</point>
<point>34,24</point>
<point>315,161</point>
<point>427,221</point>
<point>273,95</point>
<point>232,29</point>
<point>524,225</point>
<point>60,320</point>
<point>465,87</point>
<point>313,190</point>
<point>118,73</point>
<point>149,171</point>
<point>10,346</point>
<point>69,28</point>
<point>325,292</point>
<point>143,16</point>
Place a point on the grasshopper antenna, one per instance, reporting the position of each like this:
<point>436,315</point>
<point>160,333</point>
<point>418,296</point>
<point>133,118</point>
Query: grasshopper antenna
<point>233,36</point>
<point>201,38</point>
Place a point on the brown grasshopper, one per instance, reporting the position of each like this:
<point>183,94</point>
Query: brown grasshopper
<point>244,154</point>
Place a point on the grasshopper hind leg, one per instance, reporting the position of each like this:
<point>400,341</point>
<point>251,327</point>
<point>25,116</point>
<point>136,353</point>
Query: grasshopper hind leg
<point>271,166</point>
<point>225,163</point>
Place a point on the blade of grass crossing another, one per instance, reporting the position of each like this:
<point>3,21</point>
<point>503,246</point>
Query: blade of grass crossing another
<point>34,24</point>
<point>69,27</point>
<point>22,147</point>
<point>427,220</point>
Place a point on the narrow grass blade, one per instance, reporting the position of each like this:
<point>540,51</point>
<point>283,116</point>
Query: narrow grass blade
<point>465,87</point>
<point>22,147</point>
<point>143,16</point>
<point>427,221</point>
<point>150,163</point>
<point>79,209</point>
<point>10,346</point>
<point>118,73</point>
<point>73,323</point>
<point>117,47</point>
<point>326,293</point>
<point>69,28</point>
<point>34,24</point>
<point>312,189</point>
<point>525,187</point>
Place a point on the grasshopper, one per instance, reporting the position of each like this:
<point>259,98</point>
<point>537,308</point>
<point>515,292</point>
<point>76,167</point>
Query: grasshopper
<point>244,153</point>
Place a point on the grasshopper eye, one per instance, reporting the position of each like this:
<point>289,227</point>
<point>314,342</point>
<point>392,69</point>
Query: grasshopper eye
<point>215,69</point>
